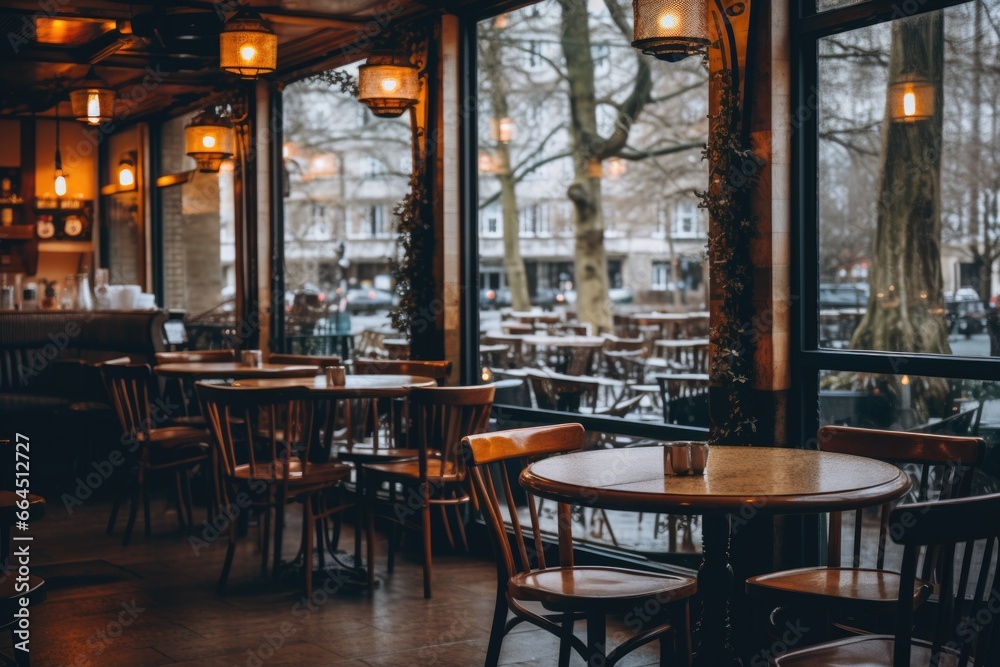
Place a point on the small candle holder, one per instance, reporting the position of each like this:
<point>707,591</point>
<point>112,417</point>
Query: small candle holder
<point>252,358</point>
<point>336,376</point>
<point>685,458</point>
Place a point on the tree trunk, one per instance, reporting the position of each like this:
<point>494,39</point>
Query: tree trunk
<point>590,260</point>
<point>906,306</point>
<point>517,279</point>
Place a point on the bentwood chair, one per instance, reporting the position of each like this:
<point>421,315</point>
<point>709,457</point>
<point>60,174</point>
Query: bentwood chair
<point>860,596</point>
<point>185,388</point>
<point>567,592</point>
<point>153,445</point>
<point>264,439</point>
<point>442,416</point>
<point>962,536</point>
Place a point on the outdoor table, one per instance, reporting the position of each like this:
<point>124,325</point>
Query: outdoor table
<point>397,348</point>
<point>232,370</point>
<point>691,353</point>
<point>670,324</point>
<point>567,343</point>
<point>738,480</point>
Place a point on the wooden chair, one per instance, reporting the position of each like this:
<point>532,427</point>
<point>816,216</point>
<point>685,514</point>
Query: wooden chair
<point>442,416</point>
<point>855,592</point>
<point>437,370</point>
<point>303,360</point>
<point>567,591</point>
<point>265,447</point>
<point>154,445</point>
<point>185,388</point>
<point>965,533</point>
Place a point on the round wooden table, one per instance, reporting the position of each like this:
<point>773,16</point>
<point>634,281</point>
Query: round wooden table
<point>232,370</point>
<point>738,480</point>
<point>358,386</point>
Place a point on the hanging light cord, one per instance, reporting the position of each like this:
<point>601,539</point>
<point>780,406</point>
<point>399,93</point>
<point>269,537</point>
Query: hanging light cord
<point>58,154</point>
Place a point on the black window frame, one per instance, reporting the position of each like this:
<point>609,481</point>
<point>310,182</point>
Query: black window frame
<point>808,26</point>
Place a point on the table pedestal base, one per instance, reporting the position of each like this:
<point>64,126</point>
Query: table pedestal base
<point>713,636</point>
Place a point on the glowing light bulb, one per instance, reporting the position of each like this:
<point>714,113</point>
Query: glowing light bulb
<point>126,177</point>
<point>905,380</point>
<point>668,22</point>
<point>909,104</point>
<point>60,184</point>
<point>93,108</point>
<point>248,52</point>
<point>389,85</point>
<point>208,141</point>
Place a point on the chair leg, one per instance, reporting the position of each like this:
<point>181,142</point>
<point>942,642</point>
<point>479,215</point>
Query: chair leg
<point>147,525</point>
<point>565,648</point>
<point>265,539</point>
<point>188,499</point>
<point>394,540</point>
<point>230,551</point>
<point>133,509</point>
<point>497,630</point>
<point>181,518</point>
<point>426,528</point>
<point>307,560</point>
<point>321,542</point>
<point>370,540</point>
<point>279,526</point>
<point>596,639</point>
<point>114,516</point>
<point>447,526</point>
<point>461,527</point>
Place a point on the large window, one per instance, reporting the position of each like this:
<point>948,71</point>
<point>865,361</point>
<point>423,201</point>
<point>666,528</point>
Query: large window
<point>901,235</point>
<point>589,228</point>
<point>198,221</point>
<point>345,171</point>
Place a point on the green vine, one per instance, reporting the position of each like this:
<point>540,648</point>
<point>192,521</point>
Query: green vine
<point>413,265</point>
<point>733,172</point>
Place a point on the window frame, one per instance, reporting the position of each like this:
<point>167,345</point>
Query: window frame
<point>808,26</point>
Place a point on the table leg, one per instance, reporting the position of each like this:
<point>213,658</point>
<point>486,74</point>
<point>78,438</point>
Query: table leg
<point>713,636</point>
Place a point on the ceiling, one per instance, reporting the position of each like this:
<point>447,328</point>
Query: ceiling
<point>161,56</point>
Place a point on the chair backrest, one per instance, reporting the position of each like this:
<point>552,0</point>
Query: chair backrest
<point>196,357</point>
<point>438,370</point>
<point>963,423</point>
<point>304,360</point>
<point>261,433</point>
<point>618,344</point>
<point>131,389</point>
<point>957,455</point>
<point>966,533</point>
<point>488,456</point>
<point>442,416</point>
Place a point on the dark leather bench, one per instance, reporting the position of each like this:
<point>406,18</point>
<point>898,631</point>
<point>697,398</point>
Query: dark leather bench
<point>48,359</point>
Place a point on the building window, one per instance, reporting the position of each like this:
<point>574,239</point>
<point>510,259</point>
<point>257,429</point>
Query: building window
<point>491,222</point>
<point>534,220</point>
<point>660,276</point>
<point>376,225</point>
<point>687,218</point>
<point>374,166</point>
<point>533,60</point>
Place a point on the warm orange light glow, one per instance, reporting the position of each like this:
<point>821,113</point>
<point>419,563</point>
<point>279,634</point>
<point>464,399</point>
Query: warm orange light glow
<point>93,108</point>
<point>248,52</point>
<point>909,103</point>
<point>389,85</point>
<point>905,380</point>
<point>208,141</point>
<point>126,177</point>
<point>668,22</point>
<point>60,184</point>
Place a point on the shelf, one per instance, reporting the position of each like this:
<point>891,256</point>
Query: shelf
<point>17,232</point>
<point>65,246</point>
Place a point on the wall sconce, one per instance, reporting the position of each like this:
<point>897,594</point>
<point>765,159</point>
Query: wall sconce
<point>93,102</point>
<point>911,98</point>
<point>209,139</point>
<point>670,30</point>
<point>247,45</point>
<point>126,170</point>
<point>388,84</point>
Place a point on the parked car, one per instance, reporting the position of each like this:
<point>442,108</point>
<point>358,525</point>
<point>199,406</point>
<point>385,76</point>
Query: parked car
<point>965,312</point>
<point>494,298</point>
<point>547,297</point>
<point>832,295</point>
<point>361,300</point>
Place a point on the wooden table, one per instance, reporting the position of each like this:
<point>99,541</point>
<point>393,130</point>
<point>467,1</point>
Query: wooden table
<point>357,386</point>
<point>738,480</point>
<point>569,362</point>
<point>232,370</point>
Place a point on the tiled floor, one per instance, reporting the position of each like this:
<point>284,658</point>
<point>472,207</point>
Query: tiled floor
<point>154,603</point>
